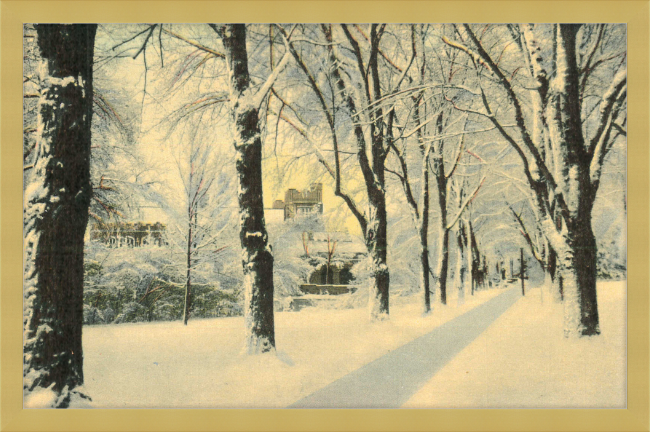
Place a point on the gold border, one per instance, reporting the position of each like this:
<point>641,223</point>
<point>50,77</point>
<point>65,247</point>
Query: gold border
<point>14,13</point>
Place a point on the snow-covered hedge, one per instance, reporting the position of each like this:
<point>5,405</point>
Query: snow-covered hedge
<point>135,285</point>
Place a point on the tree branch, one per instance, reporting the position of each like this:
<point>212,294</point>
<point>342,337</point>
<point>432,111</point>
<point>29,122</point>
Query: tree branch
<point>261,93</point>
<point>465,204</point>
<point>614,94</point>
<point>195,44</point>
<point>529,240</point>
<point>357,53</point>
<point>519,117</point>
<point>406,184</point>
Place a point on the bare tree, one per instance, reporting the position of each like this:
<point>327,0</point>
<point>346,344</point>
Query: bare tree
<point>564,149</point>
<point>245,103</point>
<point>420,208</point>
<point>358,91</point>
<point>434,126</point>
<point>257,259</point>
<point>197,177</point>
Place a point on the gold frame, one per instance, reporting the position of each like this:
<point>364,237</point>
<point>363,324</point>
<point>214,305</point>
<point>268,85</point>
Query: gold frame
<point>14,13</point>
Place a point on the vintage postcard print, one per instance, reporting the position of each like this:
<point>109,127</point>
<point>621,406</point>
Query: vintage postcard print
<point>325,215</point>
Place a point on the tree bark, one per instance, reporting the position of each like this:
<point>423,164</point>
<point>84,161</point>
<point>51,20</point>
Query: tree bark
<point>442,270</point>
<point>376,243</point>
<point>438,166</point>
<point>257,259</point>
<point>578,272</point>
<point>424,235</point>
<point>461,261</point>
<point>56,213</point>
<point>474,257</point>
<point>522,271</point>
<point>553,274</point>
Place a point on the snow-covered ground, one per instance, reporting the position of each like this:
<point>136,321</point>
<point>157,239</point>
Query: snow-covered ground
<point>166,364</point>
<point>522,361</point>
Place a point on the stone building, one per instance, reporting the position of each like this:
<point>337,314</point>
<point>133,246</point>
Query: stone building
<point>298,203</point>
<point>331,254</point>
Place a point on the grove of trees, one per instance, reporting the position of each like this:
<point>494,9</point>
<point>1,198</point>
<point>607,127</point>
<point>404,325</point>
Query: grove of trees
<point>500,137</point>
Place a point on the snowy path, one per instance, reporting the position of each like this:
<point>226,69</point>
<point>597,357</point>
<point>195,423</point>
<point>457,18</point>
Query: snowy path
<point>392,379</point>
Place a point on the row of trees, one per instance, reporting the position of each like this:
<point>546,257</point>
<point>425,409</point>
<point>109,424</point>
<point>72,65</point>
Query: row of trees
<point>530,110</point>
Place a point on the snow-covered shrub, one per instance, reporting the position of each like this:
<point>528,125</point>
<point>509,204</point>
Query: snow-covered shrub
<point>611,266</point>
<point>612,260</point>
<point>361,274</point>
<point>92,315</point>
<point>109,315</point>
<point>132,312</point>
<point>140,284</point>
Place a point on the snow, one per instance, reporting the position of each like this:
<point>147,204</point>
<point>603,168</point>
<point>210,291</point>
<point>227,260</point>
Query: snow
<point>48,398</point>
<point>522,361</point>
<point>41,398</point>
<point>63,82</point>
<point>201,365</point>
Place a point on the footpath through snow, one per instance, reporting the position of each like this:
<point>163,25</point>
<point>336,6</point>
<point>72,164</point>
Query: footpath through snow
<point>392,379</point>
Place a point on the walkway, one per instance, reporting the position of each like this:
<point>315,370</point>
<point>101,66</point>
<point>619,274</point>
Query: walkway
<point>392,379</point>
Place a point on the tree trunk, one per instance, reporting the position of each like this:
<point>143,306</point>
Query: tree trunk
<point>461,263</point>
<point>522,271</point>
<point>257,259</point>
<point>483,274</point>
<point>460,276</point>
<point>576,247</point>
<point>56,213</point>
<point>553,275</point>
<point>443,244</point>
<point>188,284</point>
<point>578,272</point>
<point>553,268</point>
<point>443,263</point>
<point>470,261</point>
<point>424,275</point>
<point>424,235</point>
<point>474,257</point>
<point>376,242</point>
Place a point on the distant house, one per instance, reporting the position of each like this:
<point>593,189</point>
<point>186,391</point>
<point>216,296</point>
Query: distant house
<point>331,254</point>
<point>299,203</point>
<point>129,234</point>
<point>133,233</point>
